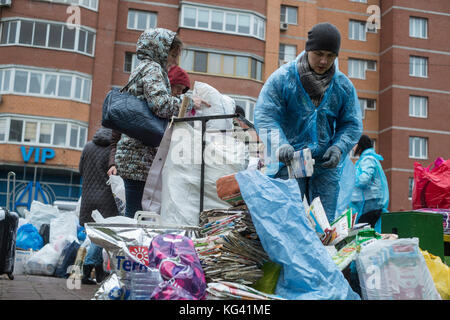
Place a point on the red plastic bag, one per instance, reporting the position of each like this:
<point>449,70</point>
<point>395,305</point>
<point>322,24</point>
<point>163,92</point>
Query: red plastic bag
<point>432,185</point>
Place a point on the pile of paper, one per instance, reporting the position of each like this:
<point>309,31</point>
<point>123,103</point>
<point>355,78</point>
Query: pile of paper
<point>230,249</point>
<point>231,291</point>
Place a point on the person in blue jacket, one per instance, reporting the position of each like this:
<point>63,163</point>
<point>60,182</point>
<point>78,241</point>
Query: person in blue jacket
<point>370,195</point>
<point>309,103</point>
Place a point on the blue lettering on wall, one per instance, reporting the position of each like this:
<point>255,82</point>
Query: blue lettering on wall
<point>46,153</point>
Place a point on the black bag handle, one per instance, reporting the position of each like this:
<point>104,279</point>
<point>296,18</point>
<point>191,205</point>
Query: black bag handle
<point>132,81</point>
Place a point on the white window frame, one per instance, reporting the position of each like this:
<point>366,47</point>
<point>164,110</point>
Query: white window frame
<point>286,15</point>
<point>418,106</point>
<point>247,103</point>
<point>415,32</point>
<point>134,61</point>
<point>416,68</point>
<point>224,55</point>
<point>89,32</point>
<point>149,15</point>
<point>364,105</point>
<point>86,83</point>
<point>257,27</point>
<point>40,120</point>
<point>91,4</point>
<point>287,58</point>
<point>357,30</point>
<point>422,153</point>
<point>410,187</point>
<point>362,68</point>
<point>360,1</point>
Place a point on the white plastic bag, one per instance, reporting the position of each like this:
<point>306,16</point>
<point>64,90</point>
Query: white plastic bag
<point>64,227</point>
<point>41,213</point>
<point>395,270</point>
<point>117,186</point>
<point>45,260</point>
<point>220,105</point>
<point>181,174</point>
<point>98,218</point>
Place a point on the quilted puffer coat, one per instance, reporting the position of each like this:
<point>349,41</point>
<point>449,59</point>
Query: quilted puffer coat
<point>96,194</point>
<point>133,159</point>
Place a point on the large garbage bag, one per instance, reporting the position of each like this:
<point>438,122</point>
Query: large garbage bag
<point>440,273</point>
<point>432,185</point>
<point>308,272</point>
<point>346,184</point>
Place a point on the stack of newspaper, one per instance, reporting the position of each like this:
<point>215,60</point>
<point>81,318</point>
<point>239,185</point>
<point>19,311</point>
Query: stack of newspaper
<point>230,249</point>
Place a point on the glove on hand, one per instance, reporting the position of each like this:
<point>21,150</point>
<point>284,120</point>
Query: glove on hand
<point>285,153</point>
<point>332,155</point>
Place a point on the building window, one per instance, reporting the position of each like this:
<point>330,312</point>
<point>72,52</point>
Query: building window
<point>45,84</point>
<point>357,30</point>
<point>131,62</point>
<point>42,132</point>
<point>89,4</point>
<point>361,1</point>
<point>366,104</point>
<point>224,21</point>
<point>418,106</point>
<point>357,68</point>
<point>418,66</point>
<point>221,64</point>
<point>141,20</point>
<point>47,35</point>
<point>288,15</point>
<point>418,27</point>
<point>246,103</point>
<point>418,148</point>
<point>410,187</point>
<point>287,53</point>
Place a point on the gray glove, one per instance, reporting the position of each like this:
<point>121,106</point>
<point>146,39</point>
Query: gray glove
<point>331,157</point>
<point>285,153</point>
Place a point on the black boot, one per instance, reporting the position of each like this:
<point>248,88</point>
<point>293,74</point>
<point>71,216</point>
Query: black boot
<point>100,274</point>
<point>87,269</point>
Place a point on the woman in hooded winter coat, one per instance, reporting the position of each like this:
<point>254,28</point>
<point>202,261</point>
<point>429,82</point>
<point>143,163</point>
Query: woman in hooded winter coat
<point>157,50</point>
<point>370,195</point>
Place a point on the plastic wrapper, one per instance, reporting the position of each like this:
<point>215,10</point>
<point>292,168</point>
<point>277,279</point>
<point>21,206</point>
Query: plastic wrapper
<point>127,245</point>
<point>302,165</point>
<point>395,270</point>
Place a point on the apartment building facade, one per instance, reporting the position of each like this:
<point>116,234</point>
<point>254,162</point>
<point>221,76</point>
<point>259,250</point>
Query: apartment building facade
<point>53,78</point>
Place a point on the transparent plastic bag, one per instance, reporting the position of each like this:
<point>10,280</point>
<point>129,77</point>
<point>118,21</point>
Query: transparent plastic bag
<point>395,270</point>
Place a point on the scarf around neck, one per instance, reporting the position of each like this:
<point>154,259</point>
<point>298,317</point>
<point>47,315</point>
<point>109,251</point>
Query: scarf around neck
<point>315,84</point>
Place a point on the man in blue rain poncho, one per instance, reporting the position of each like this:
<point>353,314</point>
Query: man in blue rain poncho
<point>370,195</point>
<point>309,103</point>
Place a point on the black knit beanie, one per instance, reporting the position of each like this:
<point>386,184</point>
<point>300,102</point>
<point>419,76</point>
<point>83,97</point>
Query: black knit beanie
<point>324,36</point>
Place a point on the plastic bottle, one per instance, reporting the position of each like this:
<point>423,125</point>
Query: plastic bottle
<point>143,284</point>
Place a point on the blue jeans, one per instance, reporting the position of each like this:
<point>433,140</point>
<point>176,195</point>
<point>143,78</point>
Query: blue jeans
<point>134,191</point>
<point>94,256</point>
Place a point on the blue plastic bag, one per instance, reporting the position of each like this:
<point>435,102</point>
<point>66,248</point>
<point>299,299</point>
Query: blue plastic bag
<point>346,184</point>
<point>81,233</point>
<point>28,237</point>
<point>308,272</point>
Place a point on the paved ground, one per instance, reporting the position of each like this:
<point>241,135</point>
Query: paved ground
<point>28,287</point>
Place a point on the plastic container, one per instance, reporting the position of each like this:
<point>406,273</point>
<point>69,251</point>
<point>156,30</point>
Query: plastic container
<point>142,284</point>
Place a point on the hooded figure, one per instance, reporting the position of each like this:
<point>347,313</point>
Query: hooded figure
<point>370,195</point>
<point>133,159</point>
<point>309,103</point>
<point>96,194</point>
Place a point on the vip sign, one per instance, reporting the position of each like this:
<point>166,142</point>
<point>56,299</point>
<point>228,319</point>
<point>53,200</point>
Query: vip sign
<point>40,155</point>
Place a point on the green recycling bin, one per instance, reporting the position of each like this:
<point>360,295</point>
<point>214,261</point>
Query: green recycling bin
<point>426,226</point>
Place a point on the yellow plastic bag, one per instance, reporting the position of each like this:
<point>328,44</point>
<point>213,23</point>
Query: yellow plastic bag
<point>440,273</point>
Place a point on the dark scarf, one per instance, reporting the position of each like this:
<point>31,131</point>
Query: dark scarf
<point>315,84</point>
